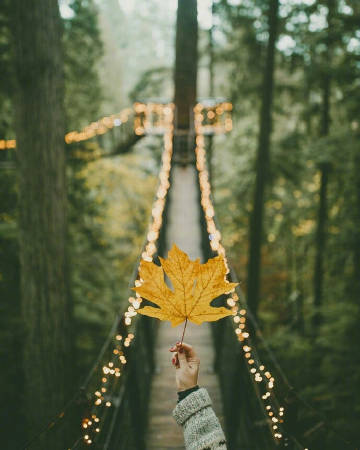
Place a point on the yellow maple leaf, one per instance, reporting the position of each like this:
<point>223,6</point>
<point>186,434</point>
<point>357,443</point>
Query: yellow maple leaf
<point>195,286</point>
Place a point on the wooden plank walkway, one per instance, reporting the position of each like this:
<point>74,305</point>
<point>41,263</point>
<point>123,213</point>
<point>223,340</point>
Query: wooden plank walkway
<point>183,230</point>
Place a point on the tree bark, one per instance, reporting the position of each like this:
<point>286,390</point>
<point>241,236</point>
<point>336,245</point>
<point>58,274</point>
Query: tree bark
<point>40,130</point>
<point>325,167</point>
<point>185,78</point>
<point>262,165</point>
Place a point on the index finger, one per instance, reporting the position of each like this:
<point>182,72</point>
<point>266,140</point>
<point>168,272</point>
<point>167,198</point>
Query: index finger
<point>188,349</point>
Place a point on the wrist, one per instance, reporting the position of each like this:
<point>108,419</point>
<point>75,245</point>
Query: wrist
<point>185,388</point>
<point>184,393</point>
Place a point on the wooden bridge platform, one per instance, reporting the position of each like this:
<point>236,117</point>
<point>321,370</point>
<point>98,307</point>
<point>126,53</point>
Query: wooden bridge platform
<point>183,229</point>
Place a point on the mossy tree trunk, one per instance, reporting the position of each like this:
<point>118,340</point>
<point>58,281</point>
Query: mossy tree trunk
<point>36,29</point>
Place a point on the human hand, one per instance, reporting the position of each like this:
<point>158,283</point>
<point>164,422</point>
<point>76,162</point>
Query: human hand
<point>187,366</point>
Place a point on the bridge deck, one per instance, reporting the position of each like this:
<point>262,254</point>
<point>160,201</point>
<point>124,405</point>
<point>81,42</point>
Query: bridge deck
<point>184,230</point>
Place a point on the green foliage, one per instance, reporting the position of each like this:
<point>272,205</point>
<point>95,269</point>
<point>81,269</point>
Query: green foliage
<point>83,50</point>
<point>327,377</point>
<point>6,78</point>
<point>107,222</point>
<point>110,199</point>
<point>138,39</point>
<point>100,264</point>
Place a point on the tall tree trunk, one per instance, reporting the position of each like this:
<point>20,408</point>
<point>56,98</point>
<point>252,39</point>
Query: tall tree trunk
<point>211,94</point>
<point>325,168</point>
<point>39,109</point>
<point>185,62</point>
<point>262,165</point>
<point>185,77</point>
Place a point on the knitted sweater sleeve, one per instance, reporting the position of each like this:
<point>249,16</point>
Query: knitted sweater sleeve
<point>202,430</point>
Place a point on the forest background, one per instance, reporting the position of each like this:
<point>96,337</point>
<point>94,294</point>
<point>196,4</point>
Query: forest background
<point>118,52</point>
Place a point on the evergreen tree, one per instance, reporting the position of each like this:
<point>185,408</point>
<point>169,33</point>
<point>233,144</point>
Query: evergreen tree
<point>262,165</point>
<point>83,52</point>
<point>42,211</point>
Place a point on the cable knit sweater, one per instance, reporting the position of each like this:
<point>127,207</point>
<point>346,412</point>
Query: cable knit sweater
<point>202,430</point>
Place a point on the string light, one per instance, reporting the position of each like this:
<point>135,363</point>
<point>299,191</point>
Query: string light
<point>240,316</point>
<point>213,118</point>
<point>97,128</point>
<point>157,212</point>
<point>7,144</point>
<point>153,118</point>
<point>110,370</point>
<point>150,118</point>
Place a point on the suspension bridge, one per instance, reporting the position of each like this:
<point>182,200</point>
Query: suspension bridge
<point>126,400</point>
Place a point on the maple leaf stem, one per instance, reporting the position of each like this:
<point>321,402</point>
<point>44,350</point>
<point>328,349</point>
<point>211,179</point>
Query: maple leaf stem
<point>182,337</point>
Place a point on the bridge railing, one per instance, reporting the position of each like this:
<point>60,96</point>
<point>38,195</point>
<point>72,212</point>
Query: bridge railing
<point>113,399</point>
<point>124,421</point>
<point>245,424</point>
<point>117,412</point>
<point>252,421</point>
